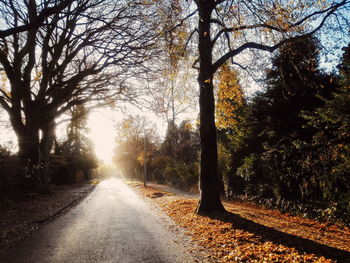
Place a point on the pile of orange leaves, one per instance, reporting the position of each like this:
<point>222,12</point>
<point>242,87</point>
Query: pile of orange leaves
<point>226,242</point>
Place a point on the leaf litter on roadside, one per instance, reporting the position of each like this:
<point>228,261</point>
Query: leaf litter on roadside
<point>226,242</point>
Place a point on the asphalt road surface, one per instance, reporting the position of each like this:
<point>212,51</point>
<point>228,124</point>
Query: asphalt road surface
<point>113,224</point>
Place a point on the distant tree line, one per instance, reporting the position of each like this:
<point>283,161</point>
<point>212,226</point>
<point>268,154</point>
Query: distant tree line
<point>172,161</point>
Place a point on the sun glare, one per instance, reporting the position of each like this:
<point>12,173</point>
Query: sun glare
<point>102,134</point>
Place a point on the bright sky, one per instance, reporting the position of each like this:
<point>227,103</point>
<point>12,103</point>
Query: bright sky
<point>103,122</point>
<point>102,133</point>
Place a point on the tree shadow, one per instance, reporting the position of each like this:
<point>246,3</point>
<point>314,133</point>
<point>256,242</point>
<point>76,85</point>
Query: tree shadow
<point>279,237</point>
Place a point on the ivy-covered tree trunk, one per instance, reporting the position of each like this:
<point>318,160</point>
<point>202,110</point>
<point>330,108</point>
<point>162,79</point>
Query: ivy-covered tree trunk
<point>209,190</point>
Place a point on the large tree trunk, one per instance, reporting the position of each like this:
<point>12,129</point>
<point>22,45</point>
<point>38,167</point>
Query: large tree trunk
<point>28,145</point>
<point>209,190</point>
<point>47,140</point>
<point>31,147</point>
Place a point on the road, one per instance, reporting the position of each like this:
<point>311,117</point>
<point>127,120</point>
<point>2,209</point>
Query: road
<point>113,224</point>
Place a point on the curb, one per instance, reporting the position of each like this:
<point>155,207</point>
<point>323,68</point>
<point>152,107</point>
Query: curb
<point>64,208</point>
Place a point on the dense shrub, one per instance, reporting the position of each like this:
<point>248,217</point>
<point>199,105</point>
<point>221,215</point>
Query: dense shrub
<point>66,169</point>
<point>180,174</point>
<point>10,175</point>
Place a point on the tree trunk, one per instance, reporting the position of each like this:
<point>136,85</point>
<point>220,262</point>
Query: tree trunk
<point>28,146</point>
<point>47,140</point>
<point>209,190</point>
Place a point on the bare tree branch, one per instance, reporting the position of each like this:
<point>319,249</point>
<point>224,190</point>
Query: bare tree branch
<point>253,45</point>
<point>37,20</point>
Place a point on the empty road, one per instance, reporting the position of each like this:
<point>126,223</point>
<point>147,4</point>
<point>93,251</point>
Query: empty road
<point>113,224</point>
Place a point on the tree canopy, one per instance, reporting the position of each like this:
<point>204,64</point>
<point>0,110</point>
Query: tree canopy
<point>85,51</point>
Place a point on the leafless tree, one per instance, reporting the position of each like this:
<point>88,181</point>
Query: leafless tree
<point>85,50</point>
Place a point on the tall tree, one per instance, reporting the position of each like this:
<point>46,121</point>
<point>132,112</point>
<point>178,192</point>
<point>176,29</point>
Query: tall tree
<point>294,84</point>
<point>85,52</point>
<point>329,151</point>
<point>230,103</point>
<point>77,141</point>
<point>229,98</point>
<point>227,29</point>
<point>172,91</point>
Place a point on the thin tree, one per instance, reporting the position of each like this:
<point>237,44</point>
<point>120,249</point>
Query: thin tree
<point>171,92</point>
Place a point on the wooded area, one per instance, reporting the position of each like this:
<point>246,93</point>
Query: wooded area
<point>286,146</point>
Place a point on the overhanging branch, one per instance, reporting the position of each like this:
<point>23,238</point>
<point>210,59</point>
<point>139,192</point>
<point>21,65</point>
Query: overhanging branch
<point>253,45</point>
<point>46,12</point>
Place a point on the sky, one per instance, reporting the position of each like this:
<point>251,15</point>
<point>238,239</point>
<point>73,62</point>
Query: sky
<point>102,126</point>
<point>102,133</point>
<point>7,136</point>
<point>102,129</point>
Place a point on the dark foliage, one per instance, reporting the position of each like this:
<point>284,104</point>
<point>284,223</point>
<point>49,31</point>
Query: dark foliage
<point>290,147</point>
<point>177,164</point>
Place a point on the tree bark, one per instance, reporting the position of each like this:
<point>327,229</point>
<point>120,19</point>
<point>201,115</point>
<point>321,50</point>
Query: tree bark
<point>28,145</point>
<point>208,179</point>
<point>47,140</point>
